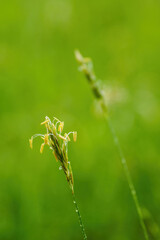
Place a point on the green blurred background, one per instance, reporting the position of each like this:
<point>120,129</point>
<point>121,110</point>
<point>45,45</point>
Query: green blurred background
<point>39,77</point>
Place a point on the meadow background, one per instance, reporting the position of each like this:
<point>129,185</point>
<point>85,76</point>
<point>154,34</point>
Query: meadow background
<point>39,77</point>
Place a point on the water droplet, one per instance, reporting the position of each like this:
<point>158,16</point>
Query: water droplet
<point>60,168</point>
<point>76,210</point>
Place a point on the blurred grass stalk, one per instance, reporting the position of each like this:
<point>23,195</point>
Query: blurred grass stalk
<point>58,144</point>
<point>86,66</point>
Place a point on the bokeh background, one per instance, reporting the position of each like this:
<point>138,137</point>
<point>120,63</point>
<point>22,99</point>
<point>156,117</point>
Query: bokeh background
<point>39,77</point>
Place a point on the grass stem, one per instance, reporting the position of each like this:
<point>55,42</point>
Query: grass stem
<point>128,175</point>
<point>79,218</point>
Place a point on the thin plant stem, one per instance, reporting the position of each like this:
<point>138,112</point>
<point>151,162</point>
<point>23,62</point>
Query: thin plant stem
<point>79,218</point>
<point>86,66</point>
<point>125,167</point>
<point>128,175</point>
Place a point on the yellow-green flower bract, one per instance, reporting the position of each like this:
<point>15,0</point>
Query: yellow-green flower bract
<point>58,143</point>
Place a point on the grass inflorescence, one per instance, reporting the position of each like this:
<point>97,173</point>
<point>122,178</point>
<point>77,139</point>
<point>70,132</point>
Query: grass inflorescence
<point>86,66</point>
<point>58,143</point>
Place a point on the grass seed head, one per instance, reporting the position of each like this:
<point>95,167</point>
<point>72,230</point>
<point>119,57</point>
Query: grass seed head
<point>58,143</point>
<point>86,66</point>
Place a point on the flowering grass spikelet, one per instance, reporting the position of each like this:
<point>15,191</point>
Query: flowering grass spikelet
<point>58,143</point>
<point>74,136</point>
<point>60,128</point>
<point>31,142</point>
<point>86,66</point>
<point>42,147</point>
